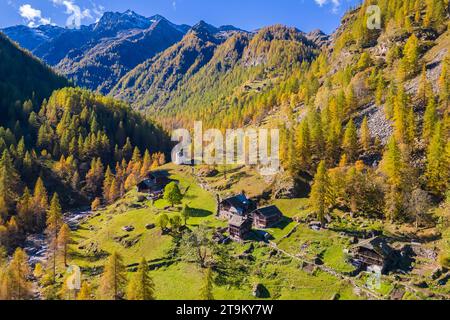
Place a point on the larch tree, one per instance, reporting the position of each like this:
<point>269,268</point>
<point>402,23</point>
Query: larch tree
<point>115,190</point>
<point>64,237</point>
<point>444,85</point>
<point>19,273</point>
<point>350,143</point>
<point>40,201</point>
<point>141,286</point>
<point>401,116</point>
<point>365,138</point>
<point>85,292</point>
<point>364,61</point>
<point>146,164</point>
<point>438,166</point>
<point>96,204</point>
<point>24,209</point>
<point>9,179</point>
<point>107,184</point>
<point>392,165</point>
<point>54,224</point>
<point>94,178</point>
<point>411,54</point>
<point>425,90</point>
<point>303,146</point>
<point>320,191</point>
<point>380,90</point>
<point>429,120</point>
<point>114,278</point>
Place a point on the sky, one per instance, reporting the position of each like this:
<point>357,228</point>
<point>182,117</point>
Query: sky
<point>249,15</point>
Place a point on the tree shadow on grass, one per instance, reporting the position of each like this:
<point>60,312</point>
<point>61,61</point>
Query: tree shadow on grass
<point>199,213</point>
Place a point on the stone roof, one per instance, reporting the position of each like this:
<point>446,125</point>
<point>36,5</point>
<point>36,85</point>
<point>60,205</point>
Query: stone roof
<point>269,211</point>
<point>237,221</point>
<point>239,202</point>
<point>377,244</point>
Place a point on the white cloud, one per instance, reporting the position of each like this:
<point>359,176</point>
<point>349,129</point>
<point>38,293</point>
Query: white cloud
<point>76,15</point>
<point>98,11</point>
<point>33,16</point>
<point>321,2</point>
<point>336,4</point>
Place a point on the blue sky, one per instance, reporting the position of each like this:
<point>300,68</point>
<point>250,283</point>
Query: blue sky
<point>246,14</point>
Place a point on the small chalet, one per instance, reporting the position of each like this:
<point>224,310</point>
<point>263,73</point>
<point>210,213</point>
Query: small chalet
<point>374,252</point>
<point>239,227</point>
<point>238,205</point>
<point>154,183</point>
<point>266,217</point>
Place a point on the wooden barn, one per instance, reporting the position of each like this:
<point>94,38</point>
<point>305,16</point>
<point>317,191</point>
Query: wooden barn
<point>374,252</point>
<point>266,217</point>
<point>154,183</point>
<point>238,205</point>
<point>239,227</point>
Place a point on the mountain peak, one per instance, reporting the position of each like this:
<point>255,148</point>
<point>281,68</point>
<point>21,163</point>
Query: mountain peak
<point>126,20</point>
<point>203,27</point>
<point>157,17</point>
<point>318,37</point>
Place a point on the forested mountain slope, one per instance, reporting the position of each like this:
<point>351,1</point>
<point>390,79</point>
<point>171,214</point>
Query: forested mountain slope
<point>22,78</point>
<point>366,105</point>
<point>204,72</point>
<point>65,143</point>
<point>31,38</point>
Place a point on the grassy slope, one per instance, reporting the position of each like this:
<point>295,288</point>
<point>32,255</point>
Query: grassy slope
<point>282,276</point>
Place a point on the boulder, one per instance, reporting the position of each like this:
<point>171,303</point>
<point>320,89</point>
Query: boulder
<point>259,290</point>
<point>150,226</point>
<point>128,228</point>
<point>141,198</point>
<point>207,173</point>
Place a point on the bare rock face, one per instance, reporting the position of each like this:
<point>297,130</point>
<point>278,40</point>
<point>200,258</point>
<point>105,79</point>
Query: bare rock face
<point>284,186</point>
<point>319,38</point>
<point>380,127</point>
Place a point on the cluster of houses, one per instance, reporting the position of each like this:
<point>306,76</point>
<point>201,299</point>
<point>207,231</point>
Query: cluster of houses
<point>242,215</point>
